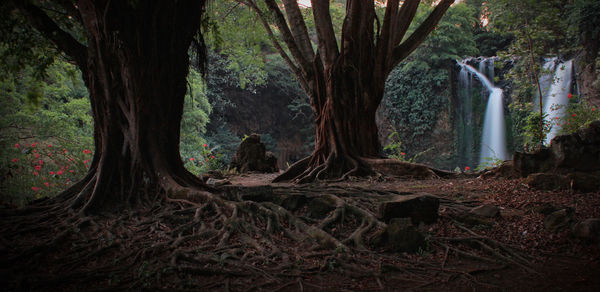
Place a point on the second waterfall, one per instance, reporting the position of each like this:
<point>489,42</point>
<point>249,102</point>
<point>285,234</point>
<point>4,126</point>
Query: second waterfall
<point>493,136</point>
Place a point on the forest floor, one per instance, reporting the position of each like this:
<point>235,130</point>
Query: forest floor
<point>513,251</point>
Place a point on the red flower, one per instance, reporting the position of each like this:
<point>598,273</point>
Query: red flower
<point>38,167</point>
<point>17,145</point>
<point>59,172</point>
<point>47,184</point>
<point>37,155</point>
<point>593,109</point>
<point>33,144</point>
<point>86,161</point>
<point>49,154</point>
<point>35,188</point>
<point>87,151</point>
<point>402,153</point>
<point>34,151</point>
<point>65,151</point>
<point>41,162</point>
<point>71,171</point>
<point>573,115</point>
<point>212,156</point>
<point>191,158</point>
<point>49,145</point>
<point>467,168</point>
<point>36,173</point>
<point>569,96</point>
<point>52,172</point>
<point>15,160</point>
<point>205,145</point>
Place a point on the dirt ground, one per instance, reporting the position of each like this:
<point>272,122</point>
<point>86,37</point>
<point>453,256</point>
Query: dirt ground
<point>524,255</point>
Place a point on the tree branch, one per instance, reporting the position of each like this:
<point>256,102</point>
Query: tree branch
<point>327,42</point>
<point>418,36</point>
<point>288,38</point>
<point>45,25</point>
<point>295,69</point>
<point>404,19</point>
<point>298,27</point>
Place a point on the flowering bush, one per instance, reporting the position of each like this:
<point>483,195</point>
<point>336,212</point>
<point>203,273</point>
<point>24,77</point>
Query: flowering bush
<point>40,169</point>
<point>577,115</point>
<point>204,159</point>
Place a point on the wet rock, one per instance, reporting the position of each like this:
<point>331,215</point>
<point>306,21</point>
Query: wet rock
<point>525,164</point>
<point>251,156</point>
<point>579,151</point>
<point>585,182</point>
<point>559,220</point>
<point>320,206</point>
<point>217,182</point>
<point>488,211</point>
<point>588,229</point>
<point>419,208</point>
<point>399,236</point>
<point>548,181</point>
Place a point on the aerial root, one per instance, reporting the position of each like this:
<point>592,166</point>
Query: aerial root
<point>263,241</point>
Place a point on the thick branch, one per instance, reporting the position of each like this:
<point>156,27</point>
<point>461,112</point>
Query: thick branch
<point>327,42</point>
<point>404,19</point>
<point>45,25</point>
<point>298,27</point>
<point>287,36</point>
<point>295,69</point>
<point>418,36</point>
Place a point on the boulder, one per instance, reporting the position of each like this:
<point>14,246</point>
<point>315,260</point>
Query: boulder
<point>217,182</point>
<point>588,229</point>
<point>488,211</point>
<point>579,151</point>
<point>525,164</point>
<point>399,236</point>
<point>251,156</point>
<point>548,181</point>
<point>559,220</point>
<point>584,181</point>
<point>419,208</point>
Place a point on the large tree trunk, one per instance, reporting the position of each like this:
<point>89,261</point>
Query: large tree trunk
<point>345,105</point>
<point>136,69</point>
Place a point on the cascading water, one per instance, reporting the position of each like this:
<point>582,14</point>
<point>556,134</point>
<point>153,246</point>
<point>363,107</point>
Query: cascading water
<point>556,99</point>
<point>465,142</point>
<point>493,140</point>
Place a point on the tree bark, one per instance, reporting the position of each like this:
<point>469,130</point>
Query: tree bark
<point>135,68</point>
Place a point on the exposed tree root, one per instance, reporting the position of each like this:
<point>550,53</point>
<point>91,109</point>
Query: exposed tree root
<point>341,167</point>
<point>189,239</point>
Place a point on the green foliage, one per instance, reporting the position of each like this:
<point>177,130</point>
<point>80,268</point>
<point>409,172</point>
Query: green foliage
<point>45,132</point>
<point>533,135</point>
<point>394,149</point>
<point>452,40</point>
<point>238,35</point>
<point>412,103</point>
<point>577,116</point>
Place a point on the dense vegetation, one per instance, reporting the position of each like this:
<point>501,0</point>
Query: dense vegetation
<point>46,103</point>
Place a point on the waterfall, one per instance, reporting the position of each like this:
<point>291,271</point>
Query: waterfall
<point>465,142</point>
<point>493,140</point>
<point>556,96</point>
